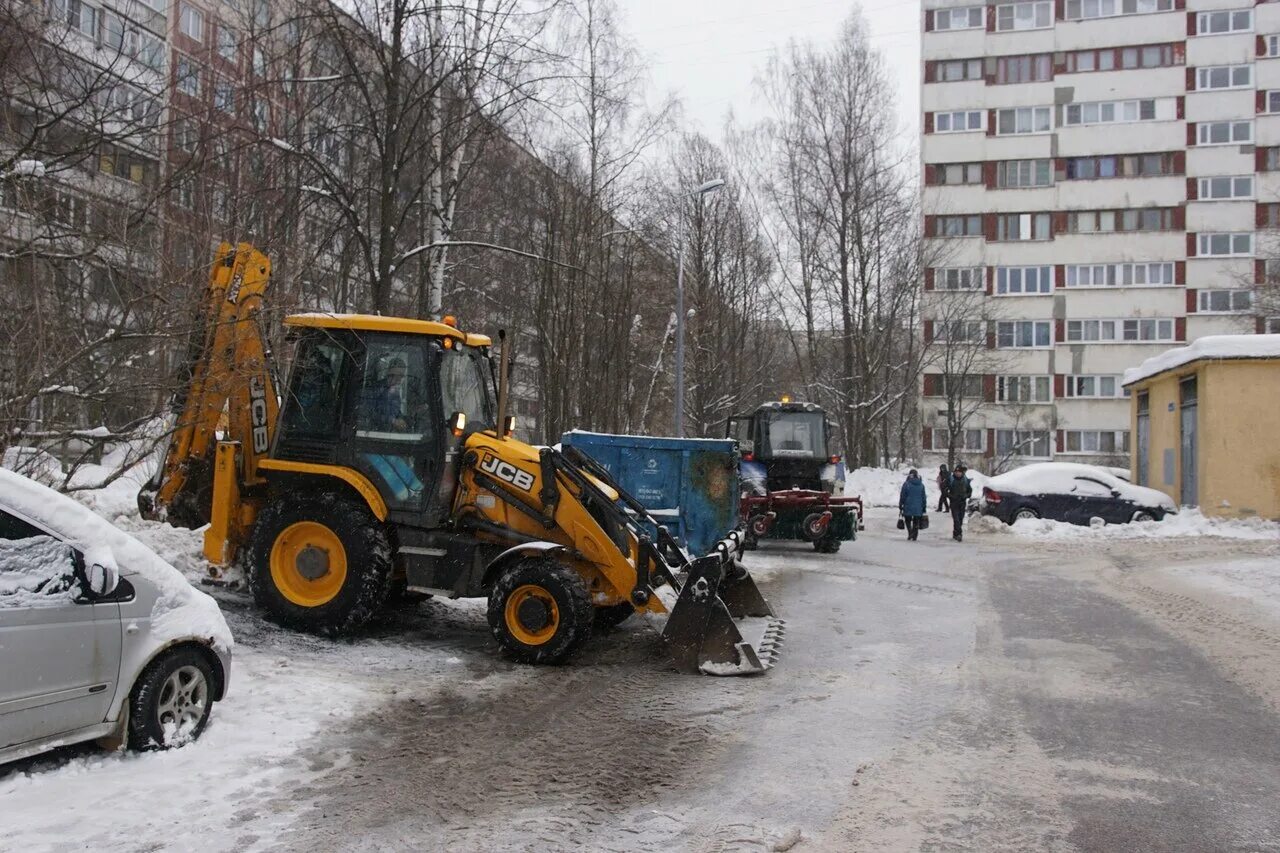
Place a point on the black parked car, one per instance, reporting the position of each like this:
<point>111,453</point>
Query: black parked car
<point>1065,491</point>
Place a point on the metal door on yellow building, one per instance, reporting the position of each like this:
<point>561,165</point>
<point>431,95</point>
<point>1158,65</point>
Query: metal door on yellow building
<point>1190,486</point>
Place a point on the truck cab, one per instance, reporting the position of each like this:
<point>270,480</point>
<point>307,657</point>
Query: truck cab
<point>786,445</point>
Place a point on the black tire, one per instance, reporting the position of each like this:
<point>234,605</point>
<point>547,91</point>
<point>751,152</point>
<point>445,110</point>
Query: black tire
<point>158,718</point>
<point>573,610</point>
<point>827,545</point>
<point>367,584</point>
<point>610,617</point>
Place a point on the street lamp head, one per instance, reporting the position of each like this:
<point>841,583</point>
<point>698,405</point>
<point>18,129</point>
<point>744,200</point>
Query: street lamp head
<point>710,186</point>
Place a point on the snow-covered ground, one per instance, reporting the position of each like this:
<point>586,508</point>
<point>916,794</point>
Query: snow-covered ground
<point>1253,584</point>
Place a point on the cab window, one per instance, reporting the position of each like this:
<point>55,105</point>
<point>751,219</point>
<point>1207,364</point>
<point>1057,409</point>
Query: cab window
<point>312,405</point>
<point>35,568</point>
<point>394,404</point>
<point>796,434</point>
<point>465,387</point>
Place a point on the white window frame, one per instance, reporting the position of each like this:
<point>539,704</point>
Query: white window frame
<point>938,439</point>
<point>1040,10</point>
<point>1272,49</point>
<point>970,69</point>
<point>1032,227</point>
<point>966,278</point>
<point>1239,244</point>
<point>1026,120</point>
<point>1225,188</point>
<point>1227,21</point>
<point>1074,385</point>
<point>1005,280</point>
<point>1087,10</point>
<point>975,18</point>
<point>1015,326</point>
<point>1026,388</point>
<point>973,331</point>
<point>1238,301</point>
<point>1271,101</point>
<point>1239,132</point>
<point>1122,274</point>
<point>1083,437</point>
<point>1016,442</point>
<point>228,43</point>
<point>191,22</point>
<point>968,169</point>
<point>969,117</point>
<point>1088,113</point>
<point>1210,78</point>
<point>195,69</point>
<point>1024,172</point>
<point>1127,330</point>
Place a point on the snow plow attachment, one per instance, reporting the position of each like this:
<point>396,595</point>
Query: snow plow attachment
<point>721,624</point>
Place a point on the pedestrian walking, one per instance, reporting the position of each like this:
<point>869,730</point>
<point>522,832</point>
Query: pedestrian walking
<point>944,476</point>
<point>958,491</point>
<point>912,503</point>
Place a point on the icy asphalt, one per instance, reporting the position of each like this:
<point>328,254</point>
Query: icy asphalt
<point>998,694</point>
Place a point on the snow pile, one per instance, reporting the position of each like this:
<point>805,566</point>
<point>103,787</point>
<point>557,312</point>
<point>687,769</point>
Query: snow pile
<point>881,486</point>
<point>28,169</point>
<point>1187,523</point>
<point>34,463</point>
<point>1210,347</point>
<point>180,610</point>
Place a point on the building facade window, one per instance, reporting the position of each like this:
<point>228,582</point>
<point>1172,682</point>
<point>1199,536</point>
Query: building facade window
<point>1271,101</point>
<point>1111,221</point>
<point>1119,166</point>
<point>1032,444</point>
<point>1233,301</point>
<point>1227,21</point>
<point>1238,245</point>
<point>1024,389</point>
<point>1083,10</point>
<point>1024,334</point>
<point>1108,112</point>
<point>958,226</point>
<point>1123,58</point>
<point>960,331</point>
<point>970,440</point>
<point>1023,226</point>
<point>965,18</point>
<point>1093,387</point>
<point>1224,132</point>
<point>1225,188</point>
<point>1271,46</point>
<point>1120,275</point>
<point>1224,77</point>
<point>959,278</point>
<point>1035,68</point>
<point>1119,331</point>
<point>956,174</point>
<point>960,121</point>
<point>191,22</point>
<point>228,44</point>
<point>224,95</point>
<point>1017,174</point>
<point>1019,120</point>
<point>956,70</point>
<point>188,76</point>
<point>1036,15</point>
<point>1096,440</point>
<point>1023,281</point>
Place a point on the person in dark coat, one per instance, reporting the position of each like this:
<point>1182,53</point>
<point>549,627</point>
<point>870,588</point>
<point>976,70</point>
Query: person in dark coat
<point>912,503</point>
<point>958,491</point>
<point>943,476</point>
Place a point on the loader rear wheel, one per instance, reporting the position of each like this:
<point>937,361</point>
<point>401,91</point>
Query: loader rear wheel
<point>319,563</point>
<point>540,611</point>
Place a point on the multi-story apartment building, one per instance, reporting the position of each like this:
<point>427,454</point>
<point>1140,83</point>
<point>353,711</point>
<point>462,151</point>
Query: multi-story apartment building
<point>1099,179</point>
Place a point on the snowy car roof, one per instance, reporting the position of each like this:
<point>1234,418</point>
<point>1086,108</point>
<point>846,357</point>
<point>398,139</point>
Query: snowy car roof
<point>181,611</point>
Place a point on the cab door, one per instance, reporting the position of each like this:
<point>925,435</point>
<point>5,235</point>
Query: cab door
<point>395,428</point>
<point>59,651</point>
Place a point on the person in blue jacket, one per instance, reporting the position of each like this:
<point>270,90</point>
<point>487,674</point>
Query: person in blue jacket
<point>912,503</point>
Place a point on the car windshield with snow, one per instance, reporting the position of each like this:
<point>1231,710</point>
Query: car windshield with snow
<point>99,637</point>
<point>1073,493</point>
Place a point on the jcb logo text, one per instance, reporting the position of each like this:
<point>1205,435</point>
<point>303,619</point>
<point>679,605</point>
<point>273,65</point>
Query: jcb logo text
<point>508,472</point>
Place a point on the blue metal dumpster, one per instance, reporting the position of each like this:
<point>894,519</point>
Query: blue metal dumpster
<point>688,484</point>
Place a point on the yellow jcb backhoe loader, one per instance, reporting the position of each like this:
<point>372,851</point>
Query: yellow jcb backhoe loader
<point>389,461</point>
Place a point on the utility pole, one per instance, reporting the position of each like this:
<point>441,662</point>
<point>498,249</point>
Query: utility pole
<point>678,425</point>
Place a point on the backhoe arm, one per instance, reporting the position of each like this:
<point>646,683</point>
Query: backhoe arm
<point>227,370</point>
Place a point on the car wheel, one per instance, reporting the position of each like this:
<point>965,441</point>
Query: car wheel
<point>1024,513</point>
<point>171,701</point>
<point>1143,515</point>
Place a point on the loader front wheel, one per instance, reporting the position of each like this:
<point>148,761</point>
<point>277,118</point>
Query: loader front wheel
<point>319,563</point>
<point>540,611</point>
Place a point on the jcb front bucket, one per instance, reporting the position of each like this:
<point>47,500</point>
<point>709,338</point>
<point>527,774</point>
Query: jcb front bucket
<point>719,604</point>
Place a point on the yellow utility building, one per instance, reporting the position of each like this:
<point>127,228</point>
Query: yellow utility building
<point>1206,425</point>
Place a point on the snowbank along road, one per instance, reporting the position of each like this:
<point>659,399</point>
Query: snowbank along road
<point>1003,694</point>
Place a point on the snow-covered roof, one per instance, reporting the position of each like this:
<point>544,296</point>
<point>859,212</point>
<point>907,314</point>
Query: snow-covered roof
<point>181,611</point>
<point>1212,347</point>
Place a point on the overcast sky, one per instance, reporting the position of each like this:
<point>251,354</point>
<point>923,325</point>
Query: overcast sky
<point>709,52</point>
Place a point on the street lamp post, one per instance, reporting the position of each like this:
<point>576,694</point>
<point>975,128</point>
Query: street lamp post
<point>709,186</point>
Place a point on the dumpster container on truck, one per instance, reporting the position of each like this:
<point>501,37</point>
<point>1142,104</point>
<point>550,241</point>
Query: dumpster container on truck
<point>690,485</point>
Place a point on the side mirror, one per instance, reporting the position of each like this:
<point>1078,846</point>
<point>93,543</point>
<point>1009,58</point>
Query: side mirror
<point>458,423</point>
<point>1115,493</point>
<point>102,575</point>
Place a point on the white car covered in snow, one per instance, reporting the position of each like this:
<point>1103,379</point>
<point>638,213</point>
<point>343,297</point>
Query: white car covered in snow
<point>1071,492</point>
<point>99,637</point>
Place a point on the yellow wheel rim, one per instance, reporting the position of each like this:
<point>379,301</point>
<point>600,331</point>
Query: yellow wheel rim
<point>308,564</point>
<point>527,607</point>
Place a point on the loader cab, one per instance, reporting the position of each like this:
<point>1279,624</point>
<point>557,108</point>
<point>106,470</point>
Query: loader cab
<point>790,441</point>
<point>376,395</point>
